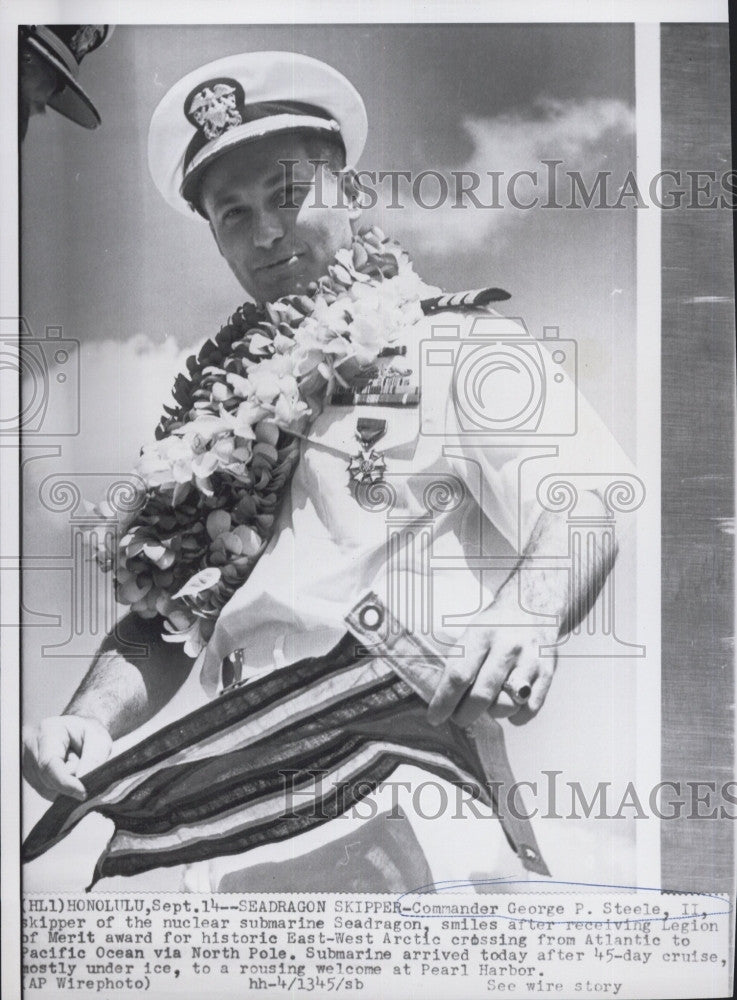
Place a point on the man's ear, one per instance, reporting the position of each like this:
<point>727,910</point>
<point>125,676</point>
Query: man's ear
<point>352,192</point>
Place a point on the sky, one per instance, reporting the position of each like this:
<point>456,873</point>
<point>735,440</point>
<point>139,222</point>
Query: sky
<point>104,256</point>
<point>139,286</point>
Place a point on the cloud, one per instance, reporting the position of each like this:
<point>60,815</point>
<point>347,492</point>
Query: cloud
<point>123,387</point>
<point>583,135</point>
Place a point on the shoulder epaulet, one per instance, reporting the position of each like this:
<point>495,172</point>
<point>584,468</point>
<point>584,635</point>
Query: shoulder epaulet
<point>464,300</point>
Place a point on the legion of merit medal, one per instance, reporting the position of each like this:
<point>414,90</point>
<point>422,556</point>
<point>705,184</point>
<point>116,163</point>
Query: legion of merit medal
<point>368,466</point>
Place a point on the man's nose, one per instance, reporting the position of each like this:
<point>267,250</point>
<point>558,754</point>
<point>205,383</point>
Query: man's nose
<point>267,229</point>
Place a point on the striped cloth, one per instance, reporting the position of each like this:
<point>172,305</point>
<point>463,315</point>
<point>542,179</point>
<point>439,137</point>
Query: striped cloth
<point>236,773</point>
<point>474,299</point>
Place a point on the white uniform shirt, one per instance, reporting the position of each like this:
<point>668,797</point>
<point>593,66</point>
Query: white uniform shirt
<point>458,501</point>
<point>434,540</point>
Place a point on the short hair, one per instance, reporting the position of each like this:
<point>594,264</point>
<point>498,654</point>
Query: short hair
<point>318,146</point>
<point>325,147</point>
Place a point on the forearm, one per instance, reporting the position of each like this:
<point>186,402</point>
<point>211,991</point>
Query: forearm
<point>539,587</point>
<point>124,693</point>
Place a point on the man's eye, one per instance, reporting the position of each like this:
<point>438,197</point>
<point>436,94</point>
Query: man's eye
<point>232,214</point>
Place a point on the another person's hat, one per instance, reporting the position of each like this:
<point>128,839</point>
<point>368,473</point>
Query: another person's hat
<point>64,46</point>
<point>242,98</point>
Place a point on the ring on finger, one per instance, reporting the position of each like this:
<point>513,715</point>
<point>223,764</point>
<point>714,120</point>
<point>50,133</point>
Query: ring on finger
<point>520,694</point>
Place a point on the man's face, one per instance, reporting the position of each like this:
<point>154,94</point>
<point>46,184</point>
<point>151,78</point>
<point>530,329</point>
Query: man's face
<point>277,226</point>
<point>38,82</point>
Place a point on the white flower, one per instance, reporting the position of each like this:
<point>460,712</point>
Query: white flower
<point>316,345</point>
<point>181,470</point>
<point>282,344</point>
<point>239,384</point>
<point>154,469</point>
<point>260,344</point>
<point>190,635</point>
<point>282,312</point>
<point>204,580</point>
<point>223,448</point>
<point>264,384</point>
<point>345,258</point>
<point>365,293</point>
<point>273,378</point>
<point>245,418</point>
<point>368,336</point>
<point>205,427</point>
<point>289,408</point>
<point>329,319</point>
<point>204,465</point>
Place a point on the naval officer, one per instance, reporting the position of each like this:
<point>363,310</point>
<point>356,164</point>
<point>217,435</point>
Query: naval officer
<point>261,148</point>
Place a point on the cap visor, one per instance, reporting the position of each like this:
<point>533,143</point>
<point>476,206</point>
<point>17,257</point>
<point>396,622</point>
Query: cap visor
<point>71,101</point>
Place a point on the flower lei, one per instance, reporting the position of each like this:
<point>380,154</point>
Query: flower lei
<point>212,482</point>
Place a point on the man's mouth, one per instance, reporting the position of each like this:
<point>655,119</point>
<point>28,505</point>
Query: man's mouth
<point>288,261</point>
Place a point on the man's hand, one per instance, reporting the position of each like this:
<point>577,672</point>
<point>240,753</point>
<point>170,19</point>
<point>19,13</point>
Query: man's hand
<point>493,654</point>
<point>115,697</point>
<point>59,749</point>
